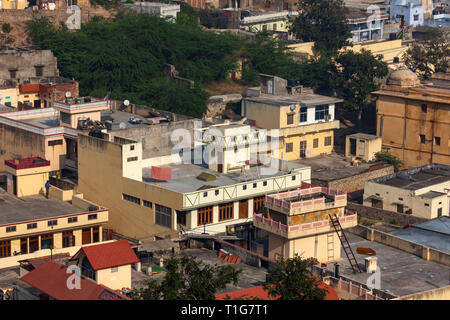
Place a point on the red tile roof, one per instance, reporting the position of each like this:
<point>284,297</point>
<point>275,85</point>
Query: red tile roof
<point>51,279</point>
<point>109,255</point>
<point>261,294</point>
<point>26,163</point>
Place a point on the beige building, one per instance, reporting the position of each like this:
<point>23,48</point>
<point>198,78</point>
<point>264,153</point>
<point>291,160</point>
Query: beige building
<point>49,133</point>
<point>302,122</point>
<point>362,146</point>
<point>154,194</point>
<point>413,119</point>
<point>108,264</point>
<point>298,223</point>
<point>27,176</point>
<point>421,192</point>
<point>33,226</point>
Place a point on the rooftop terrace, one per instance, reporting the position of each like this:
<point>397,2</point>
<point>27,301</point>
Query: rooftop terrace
<point>14,210</point>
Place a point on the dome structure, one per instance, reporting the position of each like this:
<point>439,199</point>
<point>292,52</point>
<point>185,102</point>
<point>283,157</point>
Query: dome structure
<point>404,78</point>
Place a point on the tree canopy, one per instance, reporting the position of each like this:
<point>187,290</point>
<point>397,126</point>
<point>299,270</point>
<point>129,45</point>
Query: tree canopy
<point>293,280</point>
<point>325,23</point>
<point>125,56</point>
<point>189,279</point>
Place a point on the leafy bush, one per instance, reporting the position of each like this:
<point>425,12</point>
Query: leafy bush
<point>6,27</point>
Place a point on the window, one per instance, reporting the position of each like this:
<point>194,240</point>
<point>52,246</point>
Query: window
<point>258,203</point>
<point>264,183</point>
<point>439,212</point>
<point>427,205</point>
<point>23,246</point>
<point>416,17</point>
<point>316,143</point>
<point>290,119</point>
<point>205,194</point>
<point>68,240</point>
<point>47,241</point>
<point>244,187</point>
<point>64,117</point>
<point>321,111</point>
<point>52,223</point>
<point>147,203</point>
<point>39,71</point>
<point>95,234</point>
<point>400,199</point>
<point>72,219</point>
<point>255,185</point>
<point>437,141</point>
<point>181,217</point>
<point>55,142</point>
<point>131,148</point>
<point>204,215</point>
<point>11,229</point>
<point>289,147</point>
<point>114,269</point>
<point>303,114</point>
<point>132,159</point>
<point>13,73</point>
<point>225,211</point>
<point>274,27</point>
<point>216,192</point>
<point>163,216</point>
<point>131,199</point>
<point>327,141</point>
<point>422,138</point>
<point>293,178</point>
<point>33,244</point>
<point>31,226</point>
<point>5,248</point>
<point>424,108</point>
<point>92,216</point>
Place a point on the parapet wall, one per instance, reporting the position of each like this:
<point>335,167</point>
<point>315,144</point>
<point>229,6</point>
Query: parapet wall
<point>384,215</point>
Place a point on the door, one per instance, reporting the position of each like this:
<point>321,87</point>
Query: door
<point>220,167</point>
<point>362,148</point>
<point>86,236</point>
<point>303,149</point>
<point>67,237</point>
<point>377,204</point>
<point>353,147</point>
<point>399,208</point>
<point>14,178</point>
<point>5,248</point>
<point>243,209</point>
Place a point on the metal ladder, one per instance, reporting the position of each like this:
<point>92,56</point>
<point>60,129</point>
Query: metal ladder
<point>330,246</point>
<point>345,244</point>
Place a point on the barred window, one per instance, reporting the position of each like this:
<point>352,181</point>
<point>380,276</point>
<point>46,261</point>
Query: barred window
<point>131,199</point>
<point>289,147</point>
<point>31,226</point>
<point>72,219</point>
<point>163,216</point>
<point>147,203</point>
<point>52,223</point>
<point>290,119</point>
<point>327,141</point>
<point>132,159</point>
<point>316,143</point>
<point>11,229</point>
<point>92,216</point>
<point>321,111</point>
<point>225,211</point>
<point>303,114</point>
<point>204,215</point>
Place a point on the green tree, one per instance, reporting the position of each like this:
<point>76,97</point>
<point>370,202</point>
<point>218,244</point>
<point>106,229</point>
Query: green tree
<point>189,279</point>
<point>430,55</point>
<point>6,27</point>
<point>293,280</point>
<point>325,23</point>
<point>358,74</point>
<point>385,156</point>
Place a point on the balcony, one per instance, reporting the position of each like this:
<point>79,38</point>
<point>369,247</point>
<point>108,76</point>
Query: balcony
<point>306,200</point>
<point>303,229</point>
<point>309,128</point>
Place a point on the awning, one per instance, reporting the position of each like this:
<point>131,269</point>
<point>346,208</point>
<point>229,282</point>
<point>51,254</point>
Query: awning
<point>375,197</point>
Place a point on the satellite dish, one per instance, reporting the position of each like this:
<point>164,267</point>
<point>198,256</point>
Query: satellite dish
<point>126,102</point>
<point>293,106</point>
<point>122,125</point>
<point>68,94</point>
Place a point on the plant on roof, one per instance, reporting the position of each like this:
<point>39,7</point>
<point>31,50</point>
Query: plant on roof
<point>387,157</point>
<point>189,279</point>
<point>292,280</point>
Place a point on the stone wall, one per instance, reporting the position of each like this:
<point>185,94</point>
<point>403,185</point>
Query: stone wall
<point>217,104</point>
<point>356,182</point>
<point>24,62</point>
<point>384,215</point>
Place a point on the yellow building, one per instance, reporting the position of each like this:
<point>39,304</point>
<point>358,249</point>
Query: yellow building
<point>27,176</point>
<point>413,119</point>
<point>33,226</point>
<point>14,4</point>
<point>389,49</point>
<point>302,122</point>
<point>108,264</point>
<point>421,192</point>
<point>362,146</point>
<point>158,195</point>
<point>298,223</point>
<point>271,21</point>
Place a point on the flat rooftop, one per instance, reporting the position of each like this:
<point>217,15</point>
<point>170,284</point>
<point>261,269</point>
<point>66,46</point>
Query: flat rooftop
<point>433,194</point>
<point>364,136</point>
<point>15,210</point>
<point>306,99</point>
<point>184,177</point>
<point>120,119</point>
<point>402,273</point>
<point>417,178</point>
<point>44,122</point>
<point>434,233</point>
<point>333,167</point>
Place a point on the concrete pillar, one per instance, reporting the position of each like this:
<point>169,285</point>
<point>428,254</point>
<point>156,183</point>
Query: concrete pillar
<point>236,210</point>
<point>57,240</point>
<point>250,208</point>
<point>426,253</point>
<point>191,219</point>
<point>174,219</point>
<point>215,214</point>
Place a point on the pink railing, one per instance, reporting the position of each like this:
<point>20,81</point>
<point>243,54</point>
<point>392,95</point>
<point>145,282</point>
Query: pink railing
<point>300,227</point>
